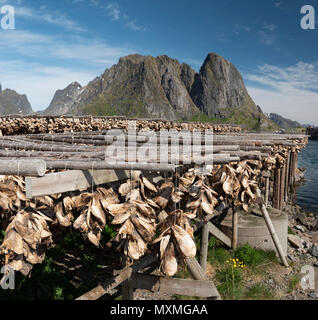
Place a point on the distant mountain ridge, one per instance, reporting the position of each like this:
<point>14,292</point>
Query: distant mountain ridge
<point>161,87</point>
<point>156,87</point>
<point>284,123</point>
<point>13,103</point>
<point>64,99</point>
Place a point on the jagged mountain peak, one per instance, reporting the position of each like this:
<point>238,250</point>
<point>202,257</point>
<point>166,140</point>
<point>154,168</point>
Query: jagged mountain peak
<point>64,99</point>
<point>152,87</point>
<point>12,102</point>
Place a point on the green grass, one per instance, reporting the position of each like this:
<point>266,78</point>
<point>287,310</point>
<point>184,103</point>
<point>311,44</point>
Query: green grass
<point>230,280</point>
<point>259,292</point>
<point>99,107</point>
<point>290,231</point>
<point>255,259</point>
<point>293,283</point>
<point>217,255</point>
<point>230,283</point>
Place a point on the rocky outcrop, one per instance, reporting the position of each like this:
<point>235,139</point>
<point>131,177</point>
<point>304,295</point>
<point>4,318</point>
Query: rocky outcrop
<point>64,99</point>
<point>218,89</point>
<point>13,103</point>
<point>174,84</point>
<point>284,123</point>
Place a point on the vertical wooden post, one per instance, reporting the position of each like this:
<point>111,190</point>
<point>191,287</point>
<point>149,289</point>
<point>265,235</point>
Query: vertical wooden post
<point>287,178</point>
<point>296,165</point>
<point>282,187</point>
<point>234,228</point>
<point>292,168</point>
<point>266,191</point>
<point>204,247</point>
<point>266,175</point>
<point>276,188</point>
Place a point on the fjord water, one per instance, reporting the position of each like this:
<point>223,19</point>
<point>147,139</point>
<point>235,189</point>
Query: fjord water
<point>307,193</point>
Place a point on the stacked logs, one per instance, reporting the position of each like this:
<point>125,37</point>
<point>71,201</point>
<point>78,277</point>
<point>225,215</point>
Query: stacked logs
<point>148,213</point>
<point>15,125</point>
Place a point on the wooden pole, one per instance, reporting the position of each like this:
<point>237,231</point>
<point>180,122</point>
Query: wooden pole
<point>204,246</point>
<point>276,189</point>
<point>292,169</point>
<point>271,229</point>
<point>296,165</point>
<point>287,177</point>
<point>29,168</point>
<point>234,228</point>
<point>266,191</point>
<point>115,165</point>
<point>282,187</point>
<point>279,171</point>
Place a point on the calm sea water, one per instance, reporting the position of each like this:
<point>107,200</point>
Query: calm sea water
<point>307,194</point>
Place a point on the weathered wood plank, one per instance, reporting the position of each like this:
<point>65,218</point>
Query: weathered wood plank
<point>198,274</point>
<point>186,287</point>
<point>217,233</point>
<point>112,283</point>
<point>72,180</point>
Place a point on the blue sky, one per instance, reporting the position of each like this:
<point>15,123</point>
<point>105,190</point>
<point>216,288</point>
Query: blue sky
<point>58,42</point>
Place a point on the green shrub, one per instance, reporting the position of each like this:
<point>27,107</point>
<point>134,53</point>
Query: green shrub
<point>255,258</point>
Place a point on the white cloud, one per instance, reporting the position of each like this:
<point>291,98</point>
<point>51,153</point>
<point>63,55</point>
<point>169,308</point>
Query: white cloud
<point>278,4</point>
<point>89,58</point>
<point>56,18</point>
<point>37,45</point>
<point>242,28</point>
<point>113,11</point>
<point>132,24</point>
<point>266,38</point>
<point>270,27</point>
<point>39,82</point>
<point>291,91</point>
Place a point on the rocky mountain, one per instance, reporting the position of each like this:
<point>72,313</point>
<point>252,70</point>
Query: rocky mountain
<point>139,86</point>
<point>284,123</point>
<point>149,87</point>
<point>63,100</point>
<point>13,103</point>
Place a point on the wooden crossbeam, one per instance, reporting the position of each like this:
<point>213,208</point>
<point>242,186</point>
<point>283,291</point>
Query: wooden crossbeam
<point>217,233</point>
<point>55,183</point>
<point>193,288</point>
